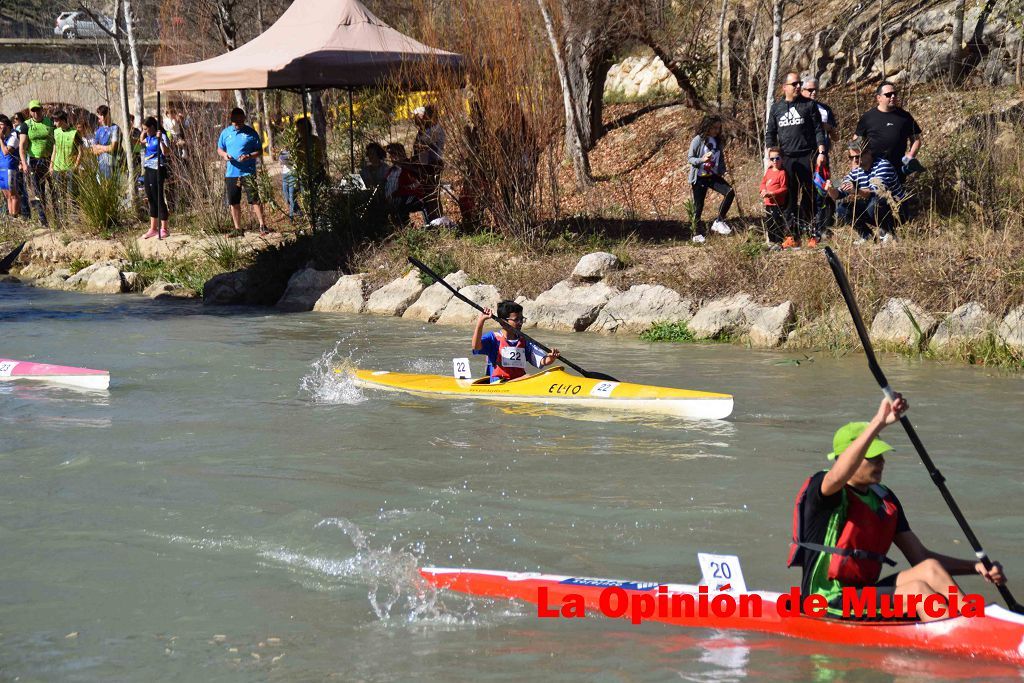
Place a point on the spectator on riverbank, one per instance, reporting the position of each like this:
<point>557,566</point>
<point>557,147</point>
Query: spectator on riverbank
<point>65,162</point>
<point>889,129</point>
<point>774,192</point>
<point>107,142</point>
<point>289,183</point>
<point>402,188</point>
<point>428,149</point>
<point>707,172</point>
<point>18,121</point>
<point>794,125</point>
<point>10,160</point>
<point>156,148</point>
<point>871,194</point>
<point>375,166</point>
<point>240,147</point>
<point>36,147</point>
<point>824,207</point>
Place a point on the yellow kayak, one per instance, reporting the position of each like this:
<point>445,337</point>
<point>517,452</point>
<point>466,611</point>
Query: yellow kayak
<point>556,386</point>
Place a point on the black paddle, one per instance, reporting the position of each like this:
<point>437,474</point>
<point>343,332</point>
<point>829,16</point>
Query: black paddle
<point>933,471</point>
<point>8,261</point>
<point>505,324</point>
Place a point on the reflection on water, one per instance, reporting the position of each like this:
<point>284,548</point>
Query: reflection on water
<point>233,510</point>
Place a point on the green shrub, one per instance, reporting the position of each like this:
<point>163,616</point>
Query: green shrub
<point>668,332</point>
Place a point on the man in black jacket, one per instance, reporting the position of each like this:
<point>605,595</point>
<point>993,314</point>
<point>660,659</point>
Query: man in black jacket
<point>794,124</point>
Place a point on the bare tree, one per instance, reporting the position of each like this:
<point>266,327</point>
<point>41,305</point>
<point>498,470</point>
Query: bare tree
<point>721,49</point>
<point>679,38</point>
<point>957,42</point>
<point>133,51</point>
<point>263,93</point>
<point>575,144</point>
<point>778,10</point>
<point>117,39</point>
<point>224,12</point>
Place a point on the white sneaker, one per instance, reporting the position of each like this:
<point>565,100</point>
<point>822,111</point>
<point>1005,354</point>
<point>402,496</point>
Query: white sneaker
<point>887,237</point>
<point>697,239</point>
<point>721,227</point>
<point>859,241</point>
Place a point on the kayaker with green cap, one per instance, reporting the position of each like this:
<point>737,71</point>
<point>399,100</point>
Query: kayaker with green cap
<point>845,522</point>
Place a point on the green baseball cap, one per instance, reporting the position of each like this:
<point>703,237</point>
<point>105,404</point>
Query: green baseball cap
<point>848,433</point>
<point>35,104</point>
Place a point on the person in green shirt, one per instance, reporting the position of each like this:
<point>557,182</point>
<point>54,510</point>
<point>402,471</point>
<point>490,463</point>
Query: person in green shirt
<point>36,146</point>
<point>65,161</point>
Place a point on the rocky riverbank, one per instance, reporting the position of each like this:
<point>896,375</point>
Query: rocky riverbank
<point>595,297</point>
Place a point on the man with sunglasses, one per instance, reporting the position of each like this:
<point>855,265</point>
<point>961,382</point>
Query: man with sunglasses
<point>794,125</point>
<point>888,128</point>
<point>824,207</point>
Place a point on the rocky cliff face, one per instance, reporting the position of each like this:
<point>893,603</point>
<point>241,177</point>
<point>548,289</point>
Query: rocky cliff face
<point>839,41</point>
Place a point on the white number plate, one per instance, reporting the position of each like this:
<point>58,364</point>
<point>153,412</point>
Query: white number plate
<point>7,367</point>
<point>461,369</point>
<point>603,389</point>
<point>722,570</point>
<point>513,358</point>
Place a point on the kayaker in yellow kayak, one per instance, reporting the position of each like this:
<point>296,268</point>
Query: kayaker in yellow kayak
<point>845,521</point>
<point>507,353</point>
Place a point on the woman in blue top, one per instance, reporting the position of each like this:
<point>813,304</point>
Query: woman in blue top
<point>10,160</point>
<point>155,148</point>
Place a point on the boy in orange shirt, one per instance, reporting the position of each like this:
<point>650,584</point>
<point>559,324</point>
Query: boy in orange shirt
<point>774,191</point>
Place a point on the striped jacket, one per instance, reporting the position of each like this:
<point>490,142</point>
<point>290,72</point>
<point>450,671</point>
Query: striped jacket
<point>882,169</point>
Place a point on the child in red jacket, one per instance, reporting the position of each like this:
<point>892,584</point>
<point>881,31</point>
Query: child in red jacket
<point>774,191</point>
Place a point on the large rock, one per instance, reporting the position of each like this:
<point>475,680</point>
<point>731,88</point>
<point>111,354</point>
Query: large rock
<point>833,329</point>
<point>106,280</point>
<point>347,295</point>
<point>769,325</point>
<point>1011,330</point>
<point>161,289</point>
<point>726,317</point>
<point>595,266</point>
<point>967,324</point>
<point>435,298</point>
<point>81,278</point>
<point>461,313</point>
<point>568,308</point>
<point>641,306</point>
<point>54,280</point>
<point>894,324</point>
<point>226,289</point>
<point>305,287</point>
<point>394,297</point>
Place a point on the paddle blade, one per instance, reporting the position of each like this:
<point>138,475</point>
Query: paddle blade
<point>8,261</point>
<point>599,375</point>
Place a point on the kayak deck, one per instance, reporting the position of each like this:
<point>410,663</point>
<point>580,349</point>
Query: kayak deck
<point>555,385</point>
<point>998,635</point>
<point>83,378</point>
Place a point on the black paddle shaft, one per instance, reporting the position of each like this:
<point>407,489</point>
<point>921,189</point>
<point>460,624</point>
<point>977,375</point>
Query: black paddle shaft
<point>505,324</point>
<point>7,261</point>
<point>933,471</point>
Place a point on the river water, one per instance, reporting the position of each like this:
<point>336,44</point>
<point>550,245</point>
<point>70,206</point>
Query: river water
<point>231,511</point>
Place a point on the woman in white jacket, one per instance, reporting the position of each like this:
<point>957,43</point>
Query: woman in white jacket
<point>707,172</point>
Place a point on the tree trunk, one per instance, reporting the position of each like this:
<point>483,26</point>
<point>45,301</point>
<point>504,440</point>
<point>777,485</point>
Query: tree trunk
<point>1020,61</point>
<point>956,44</point>
<point>573,133</point>
<point>778,9</point>
<point>133,51</point>
<point>691,97</point>
<point>265,121</point>
<point>316,109</point>
<point>721,51</point>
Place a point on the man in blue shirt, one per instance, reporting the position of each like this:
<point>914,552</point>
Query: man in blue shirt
<point>508,353</point>
<point>240,146</point>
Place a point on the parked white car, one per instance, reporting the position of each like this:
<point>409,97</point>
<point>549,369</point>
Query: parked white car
<point>73,25</point>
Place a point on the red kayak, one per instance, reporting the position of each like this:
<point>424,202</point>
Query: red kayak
<point>83,378</point>
<point>998,635</point>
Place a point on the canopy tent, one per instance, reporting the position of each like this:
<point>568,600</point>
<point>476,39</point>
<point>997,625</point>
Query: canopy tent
<point>317,44</point>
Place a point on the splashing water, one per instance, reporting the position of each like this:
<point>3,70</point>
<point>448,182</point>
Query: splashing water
<point>325,385</point>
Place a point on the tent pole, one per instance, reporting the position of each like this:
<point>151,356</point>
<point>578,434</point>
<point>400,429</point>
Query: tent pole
<point>309,159</point>
<point>351,137</point>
